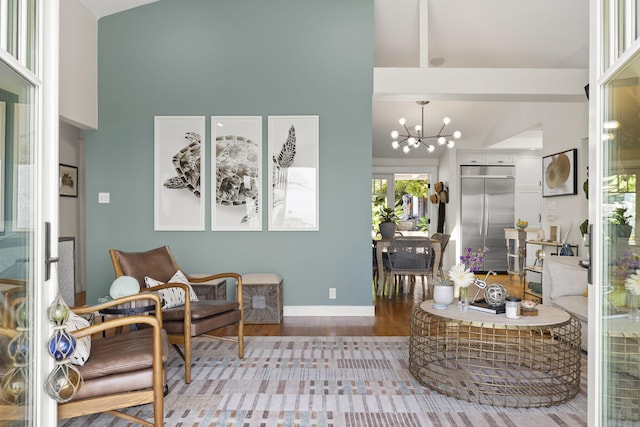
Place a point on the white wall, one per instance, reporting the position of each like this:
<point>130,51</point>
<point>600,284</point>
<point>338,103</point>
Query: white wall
<point>72,209</point>
<point>78,65</point>
<point>564,126</point>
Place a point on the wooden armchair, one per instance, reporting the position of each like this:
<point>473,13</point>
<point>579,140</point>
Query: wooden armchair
<point>123,370</point>
<point>193,318</point>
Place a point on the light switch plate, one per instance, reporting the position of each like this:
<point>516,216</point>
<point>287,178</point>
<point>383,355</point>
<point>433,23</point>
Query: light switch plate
<point>103,197</point>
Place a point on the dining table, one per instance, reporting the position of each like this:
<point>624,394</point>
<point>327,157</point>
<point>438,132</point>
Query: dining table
<point>381,244</point>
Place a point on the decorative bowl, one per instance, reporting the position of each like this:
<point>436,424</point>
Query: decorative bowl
<point>522,224</point>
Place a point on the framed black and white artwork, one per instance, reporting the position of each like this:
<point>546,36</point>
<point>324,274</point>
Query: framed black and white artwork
<point>178,189</point>
<point>68,181</point>
<point>293,173</point>
<point>236,180</point>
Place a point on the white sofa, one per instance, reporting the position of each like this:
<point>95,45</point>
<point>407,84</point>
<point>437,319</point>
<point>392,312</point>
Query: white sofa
<point>564,284</point>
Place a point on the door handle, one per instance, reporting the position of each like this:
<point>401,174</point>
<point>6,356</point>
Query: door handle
<point>486,215</point>
<point>481,213</point>
<point>48,259</point>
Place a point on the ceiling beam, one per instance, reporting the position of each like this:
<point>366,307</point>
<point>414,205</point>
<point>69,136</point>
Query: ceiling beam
<point>480,84</point>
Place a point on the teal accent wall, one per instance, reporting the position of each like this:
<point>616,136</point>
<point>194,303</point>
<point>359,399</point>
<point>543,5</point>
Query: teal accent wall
<point>241,57</point>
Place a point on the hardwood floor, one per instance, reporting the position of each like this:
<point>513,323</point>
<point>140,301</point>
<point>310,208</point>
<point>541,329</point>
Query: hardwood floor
<point>391,319</point>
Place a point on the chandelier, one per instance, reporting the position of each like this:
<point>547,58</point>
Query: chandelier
<point>414,141</point>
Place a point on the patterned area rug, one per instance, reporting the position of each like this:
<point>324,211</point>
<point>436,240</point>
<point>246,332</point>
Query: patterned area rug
<point>324,381</point>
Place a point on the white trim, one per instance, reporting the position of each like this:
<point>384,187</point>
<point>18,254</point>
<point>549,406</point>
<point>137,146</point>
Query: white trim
<point>45,123</point>
<point>4,23</point>
<point>423,29</point>
<point>329,310</point>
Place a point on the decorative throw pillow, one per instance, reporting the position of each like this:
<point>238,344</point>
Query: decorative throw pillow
<point>172,297</point>
<point>83,345</point>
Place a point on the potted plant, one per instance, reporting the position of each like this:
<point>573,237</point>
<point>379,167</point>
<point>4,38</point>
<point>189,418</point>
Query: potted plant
<point>584,230</point>
<point>620,220</point>
<point>388,220</point>
<point>442,293</point>
<point>423,223</point>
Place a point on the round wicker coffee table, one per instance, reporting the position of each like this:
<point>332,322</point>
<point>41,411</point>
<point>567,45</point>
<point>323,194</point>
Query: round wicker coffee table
<point>486,358</point>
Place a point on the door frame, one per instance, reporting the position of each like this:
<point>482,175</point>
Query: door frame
<point>604,64</point>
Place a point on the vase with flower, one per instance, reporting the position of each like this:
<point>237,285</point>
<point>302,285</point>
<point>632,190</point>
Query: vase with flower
<point>462,277</point>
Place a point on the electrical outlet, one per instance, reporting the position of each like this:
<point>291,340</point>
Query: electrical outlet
<point>332,293</point>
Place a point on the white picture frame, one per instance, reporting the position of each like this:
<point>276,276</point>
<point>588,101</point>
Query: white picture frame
<point>293,173</point>
<point>22,168</point>
<point>236,177</point>
<point>179,190</point>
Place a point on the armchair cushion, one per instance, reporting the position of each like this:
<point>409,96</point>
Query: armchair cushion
<point>120,363</point>
<point>201,309</point>
<point>83,345</point>
<point>172,297</point>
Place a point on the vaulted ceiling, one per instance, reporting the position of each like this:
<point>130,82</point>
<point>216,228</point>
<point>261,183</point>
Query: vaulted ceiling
<point>454,34</point>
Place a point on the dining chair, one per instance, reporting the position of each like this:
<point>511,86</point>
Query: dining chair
<point>443,240</point>
<point>408,256</point>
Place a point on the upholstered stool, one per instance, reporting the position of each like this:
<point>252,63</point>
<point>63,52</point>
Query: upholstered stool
<point>262,297</point>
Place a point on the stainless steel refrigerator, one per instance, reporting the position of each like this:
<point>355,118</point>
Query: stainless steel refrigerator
<point>487,208</point>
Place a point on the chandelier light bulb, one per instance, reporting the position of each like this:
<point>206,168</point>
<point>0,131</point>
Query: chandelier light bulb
<point>402,121</point>
<point>406,149</point>
<point>395,145</point>
<point>442,140</point>
<point>418,128</point>
<point>394,134</point>
<point>446,120</point>
<point>411,141</point>
<point>451,144</point>
<point>430,148</point>
<point>457,134</point>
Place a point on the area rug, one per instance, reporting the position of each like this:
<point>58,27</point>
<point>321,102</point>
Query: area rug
<point>323,381</point>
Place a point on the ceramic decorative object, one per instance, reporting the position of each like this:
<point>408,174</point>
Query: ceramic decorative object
<point>495,295</point>
<point>124,286</point>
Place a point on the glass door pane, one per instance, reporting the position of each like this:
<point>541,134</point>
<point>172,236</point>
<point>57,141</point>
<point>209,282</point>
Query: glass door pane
<point>411,192</point>
<point>620,322</point>
<point>16,248</point>
<point>378,201</point>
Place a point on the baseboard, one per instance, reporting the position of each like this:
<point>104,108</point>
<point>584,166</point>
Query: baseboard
<point>329,310</point>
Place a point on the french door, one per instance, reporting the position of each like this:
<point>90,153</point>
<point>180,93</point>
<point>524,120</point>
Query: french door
<point>614,214</point>
<point>28,205</point>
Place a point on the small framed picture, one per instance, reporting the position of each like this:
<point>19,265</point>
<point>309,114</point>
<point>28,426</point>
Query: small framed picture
<point>68,181</point>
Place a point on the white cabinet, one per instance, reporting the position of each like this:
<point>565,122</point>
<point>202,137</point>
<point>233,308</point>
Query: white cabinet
<point>499,159</point>
<point>474,158</point>
<point>529,172</point>
<point>528,203</point>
